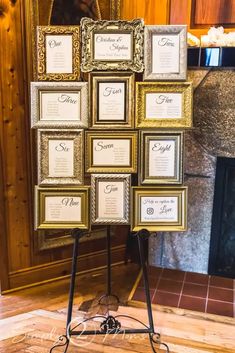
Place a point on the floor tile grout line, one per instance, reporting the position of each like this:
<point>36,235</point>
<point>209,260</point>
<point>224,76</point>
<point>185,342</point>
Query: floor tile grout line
<point>197,284</point>
<point>207,295</point>
<point>192,296</point>
<point>182,288</point>
<point>160,276</point>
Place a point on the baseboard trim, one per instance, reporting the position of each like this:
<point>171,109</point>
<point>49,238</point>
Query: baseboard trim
<point>58,270</point>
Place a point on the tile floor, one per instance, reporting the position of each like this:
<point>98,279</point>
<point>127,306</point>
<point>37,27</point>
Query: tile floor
<point>186,290</point>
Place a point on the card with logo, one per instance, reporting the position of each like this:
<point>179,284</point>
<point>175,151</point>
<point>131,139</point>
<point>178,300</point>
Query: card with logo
<point>61,208</point>
<point>59,105</point>
<point>161,160</point>
<point>112,100</point>
<point>60,156</point>
<point>159,209</point>
<point>110,198</point>
<point>58,54</point>
<point>111,152</point>
<point>165,53</point>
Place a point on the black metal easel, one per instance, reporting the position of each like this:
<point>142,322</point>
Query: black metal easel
<point>110,325</point>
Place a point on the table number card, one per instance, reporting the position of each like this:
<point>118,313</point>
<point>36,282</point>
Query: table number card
<point>61,158</point>
<point>61,208</point>
<point>107,152</point>
<point>111,101</point>
<point>60,106</point>
<point>164,106</point>
<point>165,53</point>
<point>110,198</point>
<point>111,152</point>
<point>59,54</point>
<point>58,57</point>
<point>159,209</point>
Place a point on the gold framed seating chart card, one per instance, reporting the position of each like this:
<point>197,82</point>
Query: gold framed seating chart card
<point>165,53</point>
<point>62,208</point>
<point>112,104</point>
<point>58,53</point>
<point>110,198</point>
<point>112,45</point>
<point>59,104</point>
<point>164,104</point>
<point>111,152</point>
<point>60,156</point>
<point>162,209</point>
<point>161,160</point>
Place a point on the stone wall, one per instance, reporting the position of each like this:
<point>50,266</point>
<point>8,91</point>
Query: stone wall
<point>213,135</point>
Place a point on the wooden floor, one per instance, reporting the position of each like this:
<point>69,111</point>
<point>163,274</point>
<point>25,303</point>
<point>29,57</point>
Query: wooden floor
<point>33,319</point>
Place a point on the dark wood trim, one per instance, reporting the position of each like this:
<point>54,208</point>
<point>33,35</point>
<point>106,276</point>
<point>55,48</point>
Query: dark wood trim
<point>60,269</point>
<point>4,283</point>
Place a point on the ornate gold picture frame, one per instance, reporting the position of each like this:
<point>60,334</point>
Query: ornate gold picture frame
<point>110,198</point>
<point>159,209</point>
<point>164,104</point>
<point>111,152</point>
<point>161,157</point>
<point>60,157</point>
<point>58,53</point>
<point>62,208</point>
<point>112,45</point>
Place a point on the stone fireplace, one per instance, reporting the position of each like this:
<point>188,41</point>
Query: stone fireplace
<point>213,136</point>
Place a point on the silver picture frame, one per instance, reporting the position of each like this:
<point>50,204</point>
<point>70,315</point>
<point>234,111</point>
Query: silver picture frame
<point>60,156</point>
<point>175,37</point>
<point>110,199</point>
<point>49,112</point>
<point>161,157</point>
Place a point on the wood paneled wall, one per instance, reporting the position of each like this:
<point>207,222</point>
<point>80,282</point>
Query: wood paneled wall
<point>14,132</point>
<point>214,12</point>
<point>19,262</point>
<point>197,14</point>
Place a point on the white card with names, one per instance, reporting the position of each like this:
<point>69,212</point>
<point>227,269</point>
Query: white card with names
<point>112,46</point>
<point>59,54</point>
<point>161,158</point>
<point>165,53</point>
<point>163,106</point>
<point>62,209</point>
<point>111,101</point>
<point>111,199</point>
<point>61,158</point>
<point>159,209</point>
<point>111,152</point>
<point>60,106</point>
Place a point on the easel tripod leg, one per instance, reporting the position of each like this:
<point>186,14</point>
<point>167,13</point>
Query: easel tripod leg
<point>154,337</point>
<point>142,235</point>
<point>64,340</point>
